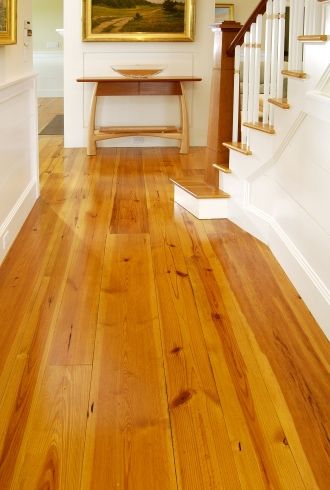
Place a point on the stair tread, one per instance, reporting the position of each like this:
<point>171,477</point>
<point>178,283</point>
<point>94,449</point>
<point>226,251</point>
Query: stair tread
<point>265,128</point>
<point>313,38</point>
<point>221,168</point>
<point>200,189</point>
<point>294,73</point>
<point>238,147</point>
<point>282,103</point>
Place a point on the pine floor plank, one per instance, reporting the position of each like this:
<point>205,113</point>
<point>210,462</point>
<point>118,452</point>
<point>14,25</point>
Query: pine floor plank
<point>194,364</point>
<point>217,303</point>
<point>54,453</point>
<point>283,315</point>
<point>35,343</point>
<point>187,359</point>
<point>200,434</point>
<point>75,331</point>
<point>129,213</point>
<point>128,423</point>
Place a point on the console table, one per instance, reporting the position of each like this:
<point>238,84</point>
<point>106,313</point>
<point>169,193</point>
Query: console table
<point>105,86</point>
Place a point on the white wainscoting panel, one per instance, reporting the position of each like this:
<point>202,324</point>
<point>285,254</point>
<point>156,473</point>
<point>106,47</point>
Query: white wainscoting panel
<point>19,165</point>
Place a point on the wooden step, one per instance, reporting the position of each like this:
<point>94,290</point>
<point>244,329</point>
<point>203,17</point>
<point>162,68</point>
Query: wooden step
<point>238,147</point>
<point>282,103</point>
<point>315,38</point>
<point>221,168</point>
<point>294,74</point>
<point>200,189</point>
<point>265,128</point>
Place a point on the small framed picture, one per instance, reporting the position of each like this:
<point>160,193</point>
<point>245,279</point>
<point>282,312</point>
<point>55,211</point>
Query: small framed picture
<point>224,11</point>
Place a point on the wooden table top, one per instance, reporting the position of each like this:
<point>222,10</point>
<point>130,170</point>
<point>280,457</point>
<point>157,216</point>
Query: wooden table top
<point>141,79</point>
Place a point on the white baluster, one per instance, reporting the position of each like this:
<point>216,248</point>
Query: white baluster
<point>236,108</point>
<point>292,44</point>
<point>256,90</point>
<point>299,32</point>
<point>322,7</point>
<point>318,19</point>
<point>251,72</point>
<point>274,62</point>
<point>280,52</point>
<point>267,63</point>
<point>246,69</point>
<point>309,17</point>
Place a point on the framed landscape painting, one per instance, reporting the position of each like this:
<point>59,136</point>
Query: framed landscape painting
<point>224,11</point>
<point>138,20</point>
<point>7,22</point>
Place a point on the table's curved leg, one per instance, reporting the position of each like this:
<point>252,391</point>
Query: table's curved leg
<point>184,121</point>
<point>91,145</point>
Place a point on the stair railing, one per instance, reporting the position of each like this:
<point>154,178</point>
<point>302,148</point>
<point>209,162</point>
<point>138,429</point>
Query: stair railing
<point>250,65</point>
<point>306,19</point>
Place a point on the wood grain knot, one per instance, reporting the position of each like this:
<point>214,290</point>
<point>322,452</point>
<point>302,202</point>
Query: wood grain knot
<point>285,441</point>
<point>183,398</point>
<point>181,274</point>
<point>126,259</point>
<point>176,350</point>
<point>216,316</point>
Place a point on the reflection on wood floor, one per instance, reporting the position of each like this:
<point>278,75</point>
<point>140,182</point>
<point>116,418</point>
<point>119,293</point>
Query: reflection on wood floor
<point>141,348</point>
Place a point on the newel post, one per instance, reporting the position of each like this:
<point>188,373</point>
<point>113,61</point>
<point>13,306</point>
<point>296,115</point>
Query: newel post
<point>221,100</point>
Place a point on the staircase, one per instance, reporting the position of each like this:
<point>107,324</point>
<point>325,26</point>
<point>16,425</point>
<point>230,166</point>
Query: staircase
<point>277,172</point>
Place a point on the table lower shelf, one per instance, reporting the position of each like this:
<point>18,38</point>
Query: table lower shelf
<point>137,129</point>
<point>110,132</point>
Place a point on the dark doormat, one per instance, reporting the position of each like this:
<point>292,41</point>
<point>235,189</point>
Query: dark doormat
<point>55,126</point>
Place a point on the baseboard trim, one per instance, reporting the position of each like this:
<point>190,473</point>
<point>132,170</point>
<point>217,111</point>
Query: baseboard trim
<point>308,283</point>
<point>17,216</point>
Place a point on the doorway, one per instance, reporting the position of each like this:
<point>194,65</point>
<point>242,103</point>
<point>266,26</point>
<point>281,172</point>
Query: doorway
<point>48,61</point>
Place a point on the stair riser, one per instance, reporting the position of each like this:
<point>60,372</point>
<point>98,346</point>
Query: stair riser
<point>201,208</point>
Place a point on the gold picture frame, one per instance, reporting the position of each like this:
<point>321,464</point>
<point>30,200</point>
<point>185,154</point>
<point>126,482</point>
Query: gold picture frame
<point>151,20</point>
<point>223,11</point>
<point>8,27</point>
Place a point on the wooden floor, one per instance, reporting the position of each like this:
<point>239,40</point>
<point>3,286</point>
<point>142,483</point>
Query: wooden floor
<point>48,107</point>
<point>143,349</point>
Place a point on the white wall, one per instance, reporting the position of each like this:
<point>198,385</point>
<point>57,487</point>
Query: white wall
<point>243,9</point>
<point>49,66</point>
<point>184,58</point>
<point>48,56</point>
<point>18,123</point>
<point>16,59</point>
<point>281,193</point>
<point>47,17</point>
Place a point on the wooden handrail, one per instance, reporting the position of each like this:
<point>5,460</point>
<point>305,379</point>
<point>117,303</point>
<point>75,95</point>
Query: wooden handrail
<point>239,38</point>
